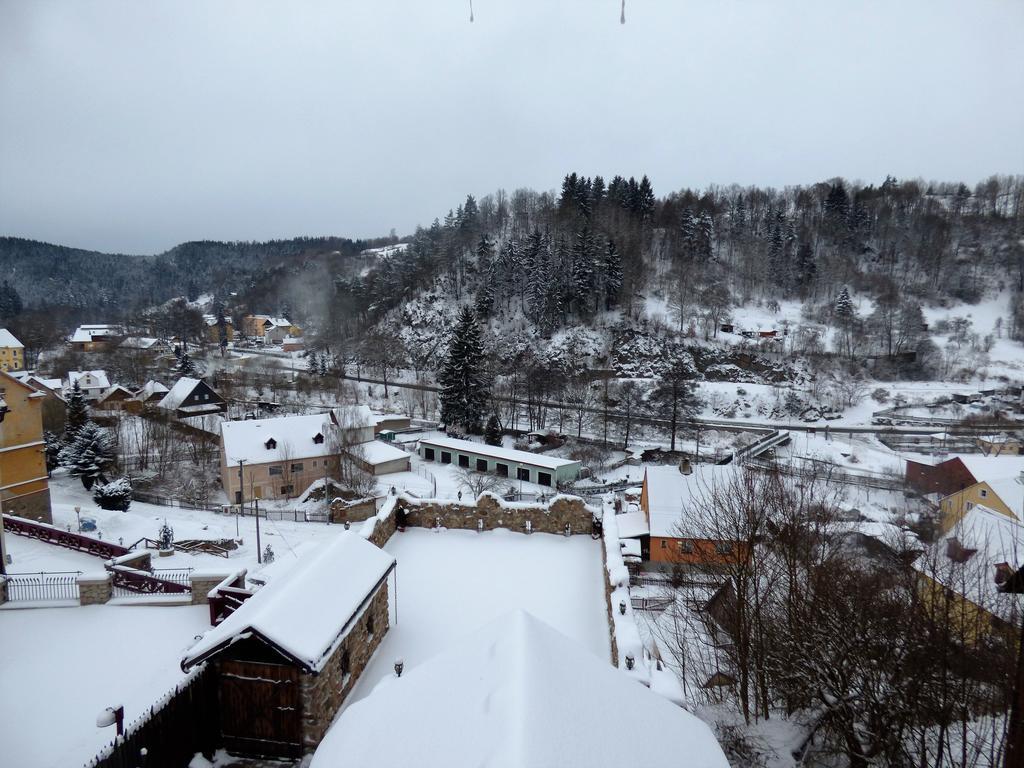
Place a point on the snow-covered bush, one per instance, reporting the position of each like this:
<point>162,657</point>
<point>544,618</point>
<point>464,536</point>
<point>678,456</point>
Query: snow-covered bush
<point>166,537</point>
<point>116,495</point>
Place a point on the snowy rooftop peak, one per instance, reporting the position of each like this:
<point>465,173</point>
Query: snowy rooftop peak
<point>524,695</point>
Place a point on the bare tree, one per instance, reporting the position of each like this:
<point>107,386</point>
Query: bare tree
<point>477,482</point>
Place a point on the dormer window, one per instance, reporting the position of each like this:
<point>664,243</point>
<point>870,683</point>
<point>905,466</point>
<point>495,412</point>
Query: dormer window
<point>271,444</point>
<point>318,438</point>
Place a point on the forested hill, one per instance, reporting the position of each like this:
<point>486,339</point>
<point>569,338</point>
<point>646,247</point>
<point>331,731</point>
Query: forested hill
<point>47,276</point>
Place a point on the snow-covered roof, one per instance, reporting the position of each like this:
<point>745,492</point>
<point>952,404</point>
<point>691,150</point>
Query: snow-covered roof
<point>497,452</point>
<point>150,389</point>
<point>996,538</point>
<point>139,342</point>
<point>212,320</point>
<point>8,339</point>
<point>100,379</point>
<point>176,395</point>
<point>670,493</point>
<point>111,391</point>
<point>988,468</point>
<point>632,524</point>
<point>85,333</point>
<point>378,452</point>
<point>306,614</point>
<point>523,695</point>
<point>292,436</point>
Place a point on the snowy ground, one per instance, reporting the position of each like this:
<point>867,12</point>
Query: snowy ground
<point>452,582</point>
<point>62,666</point>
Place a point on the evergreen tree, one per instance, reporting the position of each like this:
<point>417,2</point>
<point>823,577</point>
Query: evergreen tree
<point>645,199</point>
<point>463,380</point>
<point>484,303</point>
<point>844,309</point>
<point>611,269</point>
<point>805,266</point>
<point>484,254</point>
<point>492,432</point>
<point>89,454</point>
<point>10,301</point>
<point>222,329</point>
<point>582,279</point>
<point>77,413</point>
<point>116,495</point>
<point>186,367</point>
<point>52,446</point>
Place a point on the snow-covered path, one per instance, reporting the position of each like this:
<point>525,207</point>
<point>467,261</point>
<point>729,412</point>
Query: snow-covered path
<point>452,582</point>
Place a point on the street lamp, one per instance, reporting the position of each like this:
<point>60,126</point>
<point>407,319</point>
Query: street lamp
<point>399,666</point>
<point>112,716</point>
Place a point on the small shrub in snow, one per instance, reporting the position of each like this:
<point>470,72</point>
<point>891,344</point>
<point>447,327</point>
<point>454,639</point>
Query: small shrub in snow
<point>115,495</point>
<point>165,536</point>
<point>880,395</point>
<point>268,554</point>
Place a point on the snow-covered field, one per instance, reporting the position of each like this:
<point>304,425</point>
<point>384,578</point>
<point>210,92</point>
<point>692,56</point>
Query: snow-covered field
<point>452,582</point>
<point>62,666</point>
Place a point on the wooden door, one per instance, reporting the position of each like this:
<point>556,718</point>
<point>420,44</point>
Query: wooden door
<point>260,709</point>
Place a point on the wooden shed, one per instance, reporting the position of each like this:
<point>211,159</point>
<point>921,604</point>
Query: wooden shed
<point>288,656</point>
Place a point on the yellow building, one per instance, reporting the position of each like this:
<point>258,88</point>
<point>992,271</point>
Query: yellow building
<point>271,329</point>
<point>24,485</point>
<point>1004,496</point>
<point>12,352</point>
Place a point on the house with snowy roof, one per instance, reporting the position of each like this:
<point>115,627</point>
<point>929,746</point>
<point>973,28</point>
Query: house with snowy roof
<point>504,462</point>
<point>116,398</point>
<point>968,565</point>
<point>92,383</point>
<point>192,397</point>
<point>283,456</point>
<point>152,392</point>
<point>12,352</point>
<point>96,338</point>
<point>212,331</point>
<point>287,658</point>
<point>519,694</point>
<point>269,329</point>
<point>667,523</point>
<point>995,482</point>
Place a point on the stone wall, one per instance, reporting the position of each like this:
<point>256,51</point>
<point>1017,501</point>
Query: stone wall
<point>608,601</point>
<point>94,590</point>
<point>352,511</point>
<point>544,518</point>
<point>323,694</point>
<point>202,583</point>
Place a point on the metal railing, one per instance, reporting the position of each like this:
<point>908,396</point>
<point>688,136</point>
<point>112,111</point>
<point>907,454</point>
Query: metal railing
<point>52,535</point>
<point>42,586</point>
<point>129,582</point>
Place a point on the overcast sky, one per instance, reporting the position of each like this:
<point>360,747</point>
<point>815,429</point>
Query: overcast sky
<point>131,126</point>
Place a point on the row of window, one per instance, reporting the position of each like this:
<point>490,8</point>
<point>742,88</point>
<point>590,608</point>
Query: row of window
<point>483,465</point>
<point>280,470</point>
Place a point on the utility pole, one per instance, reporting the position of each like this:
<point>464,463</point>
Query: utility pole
<point>241,497</point>
<point>259,552</point>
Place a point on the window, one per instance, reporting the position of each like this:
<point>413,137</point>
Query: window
<point>544,478</point>
<point>723,547</point>
<point>297,467</point>
<point>318,438</point>
<point>984,493</point>
<point>464,461</point>
<point>287,489</point>
<point>522,473</point>
<point>664,544</point>
<point>345,666</point>
<point>446,458</point>
<point>369,623</point>
<point>686,546</point>
<point>275,470</point>
<point>271,444</point>
<point>428,454</point>
<point>501,469</point>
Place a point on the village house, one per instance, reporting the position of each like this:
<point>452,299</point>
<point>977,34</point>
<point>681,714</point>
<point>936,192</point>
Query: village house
<point>12,352</point>
<point>664,524</point>
<point>54,405</point>
<point>146,345</point>
<point>519,689</point>
<point>212,331</point>
<point>96,338</point>
<point>504,462</point>
<point>996,485</point>
<point>970,563</point>
<point>288,657</point>
<point>283,456</point>
<point>24,485</point>
<point>192,397</point>
<point>92,384</point>
<point>271,330</point>
<point>151,393</point>
<point>116,398</point>
<point>1001,444</point>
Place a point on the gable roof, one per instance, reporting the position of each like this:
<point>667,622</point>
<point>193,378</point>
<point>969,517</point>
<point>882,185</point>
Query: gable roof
<point>102,381</point>
<point>988,468</point>
<point>293,435</point>
<point>670,494</point>
<point>523,695</point>
<point>150,389</point>
<point>8,339</point>
<point>117,389</point>
<point>307,613</point>
<point>85,333</point>
<point>176,395</point>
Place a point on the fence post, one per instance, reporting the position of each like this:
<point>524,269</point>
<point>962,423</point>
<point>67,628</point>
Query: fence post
<point>3,590</point>
<point>94,590</point>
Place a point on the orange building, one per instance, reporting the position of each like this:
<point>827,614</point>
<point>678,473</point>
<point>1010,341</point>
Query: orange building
<point>666,503</point>
<point>24,485</point>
